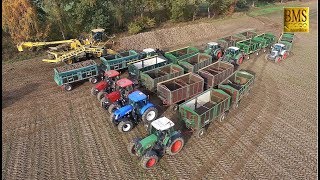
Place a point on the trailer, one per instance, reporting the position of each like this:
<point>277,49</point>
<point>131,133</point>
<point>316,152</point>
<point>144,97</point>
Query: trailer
<point>246,34</point>
<point>266,40</point>
<point>231,40</point>
<point>135,67</point>
<point>150,78</point>
<point>180,88</point>
<point>215,73</point>
<point>195,62</point>
<point>179,54</point>
<point>118,61</point>
<point>237,85</point>
<point>204,108</point>
<point>64,76</point>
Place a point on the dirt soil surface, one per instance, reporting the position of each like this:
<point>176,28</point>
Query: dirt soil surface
<point>51,134</point>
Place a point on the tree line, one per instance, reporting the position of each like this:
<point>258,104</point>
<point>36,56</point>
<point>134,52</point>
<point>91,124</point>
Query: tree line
<point>39,20</point>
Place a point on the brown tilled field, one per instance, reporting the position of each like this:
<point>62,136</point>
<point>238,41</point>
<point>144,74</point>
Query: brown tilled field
<point>51,134</point>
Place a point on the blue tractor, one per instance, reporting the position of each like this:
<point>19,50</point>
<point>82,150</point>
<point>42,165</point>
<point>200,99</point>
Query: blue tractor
<point>138,108</point>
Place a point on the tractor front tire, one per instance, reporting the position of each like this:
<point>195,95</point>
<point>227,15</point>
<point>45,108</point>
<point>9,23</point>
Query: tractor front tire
<point>176,145</point>
<point>150,114</point>
<point>93,91</point>
<point>131,146</point>
<point>100,95</point>
<point>104,99</point>
<point>113,107</point>
<point>112,118</point>
<point>149,160</point>
<point>125,126</point>
<point>278,59</point>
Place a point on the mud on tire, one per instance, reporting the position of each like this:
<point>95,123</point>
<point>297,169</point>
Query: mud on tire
<point>150,114</point>
<point>132,144</point>
<point>176,145</point>
<point>113,107</point>
<point>125,126</point>
<point>149,160</point>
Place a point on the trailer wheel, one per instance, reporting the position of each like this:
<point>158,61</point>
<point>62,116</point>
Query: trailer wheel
<point>200,133</point>
<point>236,105</point>
<point>69,61</point>
<point>174,107</point>
<point>68,87</point>
<point>93,91</point>
<point>113,107</point>
<point>248,56</point>
<point>264,50</point>
<point>222,117</point>
<point>150,114</point>
<point>100,95</point>
<point>176,145</point>
<point>125,126</point>
<point>131,146</point>
<point>149,160</point>
<point>93,80</point>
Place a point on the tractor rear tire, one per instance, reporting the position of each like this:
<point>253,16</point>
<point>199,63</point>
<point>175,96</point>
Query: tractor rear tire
<point>125,126</point>
<point>113,107</point>
<point>149,160</point>
<point>93,91</point>
<point>150,114</point>
<point>200,133</point>
<point>68,87</point>
<point>112,118</point>
<point>278,59</point>
<point>176,145</point>
<point>104,99</point>
<point>100,95</point>
<point>132,145</point>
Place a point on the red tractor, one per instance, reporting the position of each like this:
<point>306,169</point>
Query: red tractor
<point>107,85</point>
<point>114,99</point>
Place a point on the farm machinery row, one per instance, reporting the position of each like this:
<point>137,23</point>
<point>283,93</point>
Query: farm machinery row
<point>187,80</point>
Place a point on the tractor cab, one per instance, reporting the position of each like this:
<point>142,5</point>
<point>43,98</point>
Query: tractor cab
<point>161,126</point>
<point>232,51</point>
<point>97,34</point>
<point>149,52</point>
<point>111,76</point>
<point>125,86</point>
<point>213,46</point>
<point>138,99</point>
<point>277,50</point>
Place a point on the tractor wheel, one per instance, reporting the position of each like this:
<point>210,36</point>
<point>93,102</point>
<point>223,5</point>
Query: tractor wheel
<point>222,117</point>
<point>104,99</point>
<point>125,126</point>
<point>285,55</point>
<point>113,107</point>
<point>240,60</point>
<point>112,118</point>
<point>100,95</point>
<point>150,114</point>
<point>68,87</point>
<point>200,132</point>
<point>219,54</point>
<point>131,146</point>
<point>69,61</point>
<point>278,59</point>
<point>149,160</point>
<point>93,91</point>
<point>176,145</point>
<point>93,80</point>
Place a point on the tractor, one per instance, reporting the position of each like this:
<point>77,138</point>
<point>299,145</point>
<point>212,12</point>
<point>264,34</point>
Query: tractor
<point>233,55</point>
<point>279,52</point>
<point>123,88</point>
<point>108,83</point>
<point>214,49</point>
<point>137,108</point>
<point>162,139</point>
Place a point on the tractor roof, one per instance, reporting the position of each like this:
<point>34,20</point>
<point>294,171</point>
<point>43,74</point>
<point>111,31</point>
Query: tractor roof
<point>162,123</point>
<point>124,82</point>
<point>137,96</point>
<point>148,50</point>
<point>234,48</point>
<point>111,73</point>
<point>278,44</point>
<point>212,43</point>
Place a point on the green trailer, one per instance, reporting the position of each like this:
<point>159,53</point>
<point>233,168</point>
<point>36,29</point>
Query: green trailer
<point>266,40</point>
<point>179,54</point>
<point>237,85</point>
<point>138,66</point>
<point>66,75</point>
<point>150,78</point>
<point>118,61</point>
<point>202,109</point>
<point>231,40</point>
<point>195,62</point>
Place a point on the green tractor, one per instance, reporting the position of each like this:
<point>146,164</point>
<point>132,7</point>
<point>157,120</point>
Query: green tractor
<point>162,139</point>
<point>233,55</point>
<point>214,49</point>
